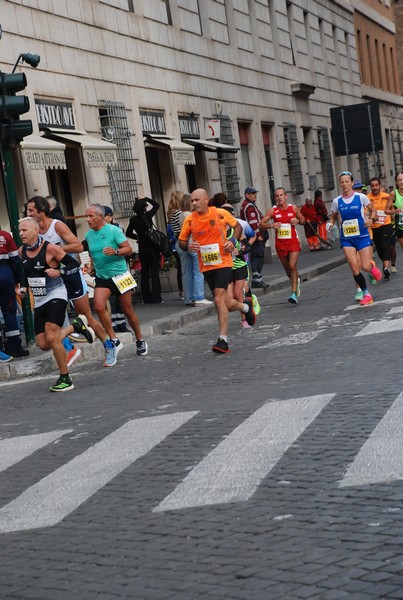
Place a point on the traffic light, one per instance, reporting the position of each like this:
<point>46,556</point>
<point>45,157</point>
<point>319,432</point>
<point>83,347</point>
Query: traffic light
<point>12,129</point>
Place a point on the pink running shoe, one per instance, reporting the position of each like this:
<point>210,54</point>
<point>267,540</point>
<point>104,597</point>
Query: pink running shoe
<point>375,272</point>
<point>367,300</point>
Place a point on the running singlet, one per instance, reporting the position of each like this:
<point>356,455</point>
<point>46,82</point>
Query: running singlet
<point>287,232</point>
<point>398,203</point>
<point>352,216</point>
<point>210,232</point>
<point>52,236</point>
<point>380,203</point>
<point>43,287</point>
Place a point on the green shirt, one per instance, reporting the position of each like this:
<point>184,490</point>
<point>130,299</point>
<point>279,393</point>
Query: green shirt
<point>398,203</point>
<point>106,266</point>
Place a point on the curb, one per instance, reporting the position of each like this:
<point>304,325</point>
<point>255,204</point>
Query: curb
<point>45,363</point>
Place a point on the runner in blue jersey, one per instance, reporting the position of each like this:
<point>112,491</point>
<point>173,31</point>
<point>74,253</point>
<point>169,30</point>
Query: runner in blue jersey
<point>353,209</point>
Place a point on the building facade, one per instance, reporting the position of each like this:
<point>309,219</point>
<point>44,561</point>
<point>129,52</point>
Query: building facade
<point>146,97</point>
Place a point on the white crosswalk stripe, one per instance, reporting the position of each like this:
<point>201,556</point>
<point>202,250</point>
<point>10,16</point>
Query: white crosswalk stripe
<point>13,450</point>
<point>233,471</point>
<point>381,457</point>
<point>382,326</point>
<point>294,339</point>
<point>57,495</point>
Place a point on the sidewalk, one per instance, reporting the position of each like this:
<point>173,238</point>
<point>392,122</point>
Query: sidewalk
<point>172,315</point>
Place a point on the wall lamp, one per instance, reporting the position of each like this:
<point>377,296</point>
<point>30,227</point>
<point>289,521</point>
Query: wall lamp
<point>32,59</point>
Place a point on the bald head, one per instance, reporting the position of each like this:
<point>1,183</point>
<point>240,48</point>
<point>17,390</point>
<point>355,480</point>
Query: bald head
<point>200,200</point>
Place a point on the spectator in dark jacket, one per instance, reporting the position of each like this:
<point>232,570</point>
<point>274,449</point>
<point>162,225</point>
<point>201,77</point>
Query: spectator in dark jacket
<point>323,217</point>
<point>149,256</point>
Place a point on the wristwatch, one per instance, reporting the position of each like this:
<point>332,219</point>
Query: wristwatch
<point>117,251</point>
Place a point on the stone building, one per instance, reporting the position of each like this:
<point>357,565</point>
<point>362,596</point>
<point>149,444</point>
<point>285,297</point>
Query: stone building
<point>142,98</point>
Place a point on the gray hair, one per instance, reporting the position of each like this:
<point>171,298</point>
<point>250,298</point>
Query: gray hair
<point>52,201</point>
<point>30,220</point>
<point>98,208</point>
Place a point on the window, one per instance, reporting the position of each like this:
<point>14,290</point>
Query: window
<point>243,129</point>
<point>122,177</point>
<point>293,159</point>
<point>325,156</point>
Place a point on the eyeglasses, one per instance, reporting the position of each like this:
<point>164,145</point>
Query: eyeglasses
<point>345,173</point>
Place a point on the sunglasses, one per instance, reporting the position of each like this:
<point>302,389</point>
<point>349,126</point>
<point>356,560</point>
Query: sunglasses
<point>345,173</point>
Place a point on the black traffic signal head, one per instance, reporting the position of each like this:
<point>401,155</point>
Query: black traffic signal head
<point>11,107</point>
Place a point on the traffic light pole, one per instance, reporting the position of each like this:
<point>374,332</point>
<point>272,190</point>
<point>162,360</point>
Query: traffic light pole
<point>11,196</point>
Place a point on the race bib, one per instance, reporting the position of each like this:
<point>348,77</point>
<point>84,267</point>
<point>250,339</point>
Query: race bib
<point>351,228</point>
<point>124,282</point>
<point>284,232</point>
<point>38,286</point>
<point>210,254</point>
<point>380,217</point>
<point>399,219</point>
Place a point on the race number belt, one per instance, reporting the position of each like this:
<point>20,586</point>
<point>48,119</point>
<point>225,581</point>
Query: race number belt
<point>124,282</point>
<point>351,228</point>
<point>210,254</point>
<point>284,231</point>
<point>38,286</point>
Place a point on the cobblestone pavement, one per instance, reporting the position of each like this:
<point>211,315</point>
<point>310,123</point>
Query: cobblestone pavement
<point>273,472</point>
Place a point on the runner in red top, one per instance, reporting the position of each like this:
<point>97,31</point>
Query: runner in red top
<point>284,217</point>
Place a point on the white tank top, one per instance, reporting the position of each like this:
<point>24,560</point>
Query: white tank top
<point>52,236</point>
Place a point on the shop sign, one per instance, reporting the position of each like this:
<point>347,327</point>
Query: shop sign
<point>183,157</point>
<point>189,127</point>
<point>212,129</point>
<point>100,158</point>
<point>58,115</point>
<point>153,122</point>
<point>44,159</point>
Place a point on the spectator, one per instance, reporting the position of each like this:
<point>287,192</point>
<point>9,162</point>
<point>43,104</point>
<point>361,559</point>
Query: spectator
<point>149,256</point>
<point>10,275</point>
<point>251,214</point>
<point>173,213</point>
<point>311,225</point>
<point>55,210</point>
<point>323,216</point>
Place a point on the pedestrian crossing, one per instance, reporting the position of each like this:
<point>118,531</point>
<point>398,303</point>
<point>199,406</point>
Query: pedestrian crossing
<point>231,472</point>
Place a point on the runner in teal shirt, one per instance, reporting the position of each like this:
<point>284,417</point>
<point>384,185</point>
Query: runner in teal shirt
<point>106,266</point>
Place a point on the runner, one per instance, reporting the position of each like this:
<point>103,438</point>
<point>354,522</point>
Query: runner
<point>108,247</point>
<point>56,232</point>
<point>395,208</point>
<point>208,227</point>
<point>41,263</point>
<point>284,219</point>
<point>382,229</point>
<point>354,235</point>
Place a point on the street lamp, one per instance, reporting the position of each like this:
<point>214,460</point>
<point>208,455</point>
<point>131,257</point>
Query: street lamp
<point>32,59</point>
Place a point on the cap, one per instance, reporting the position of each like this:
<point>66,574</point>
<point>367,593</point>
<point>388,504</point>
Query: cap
<point>250,190</point>
<point>357,184</point>
<point>108,210</point>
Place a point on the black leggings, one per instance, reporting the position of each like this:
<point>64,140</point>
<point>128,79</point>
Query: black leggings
<point>382,236</point>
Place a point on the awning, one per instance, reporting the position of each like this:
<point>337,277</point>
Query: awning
<point>96,152</point>
<point>182,154</point>
<point>211,146</point>
<point>41,153</point>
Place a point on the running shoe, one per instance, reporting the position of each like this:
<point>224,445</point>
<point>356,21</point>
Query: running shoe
<point>80,325</point>
<point>393,269</point>
<point>245,325</point>
<point>110,355</point>
<point>293,298</point>
<point>63,384</point>
<point>72,356</point>
<point>220,347</point>
<point>142,347</point>
<point>359,295</point>
<point>372,279</point>
<point>375,272</point>
<point>250,316</point>
<point>367,300</point>
<point>256,305</point>
<point>298,287</point>
<point>386,273</point>
<point>5,358</point>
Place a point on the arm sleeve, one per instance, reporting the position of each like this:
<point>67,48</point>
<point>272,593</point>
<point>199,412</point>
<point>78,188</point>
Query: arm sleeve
<point>14,259</point>
<point>252,216</point>
<point>130,231</point>
<point>155,206</point>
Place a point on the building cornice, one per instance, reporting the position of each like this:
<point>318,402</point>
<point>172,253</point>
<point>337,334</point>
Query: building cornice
<point>363,8</point>
<point>371,93</point>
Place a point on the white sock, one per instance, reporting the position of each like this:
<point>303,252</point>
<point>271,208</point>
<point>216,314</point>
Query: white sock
<point>246,308</point>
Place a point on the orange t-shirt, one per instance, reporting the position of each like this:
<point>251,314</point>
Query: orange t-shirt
<point>210,231</point>
<point>380,203</point>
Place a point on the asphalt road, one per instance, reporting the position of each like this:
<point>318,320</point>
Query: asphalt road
<point>273,472</point>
